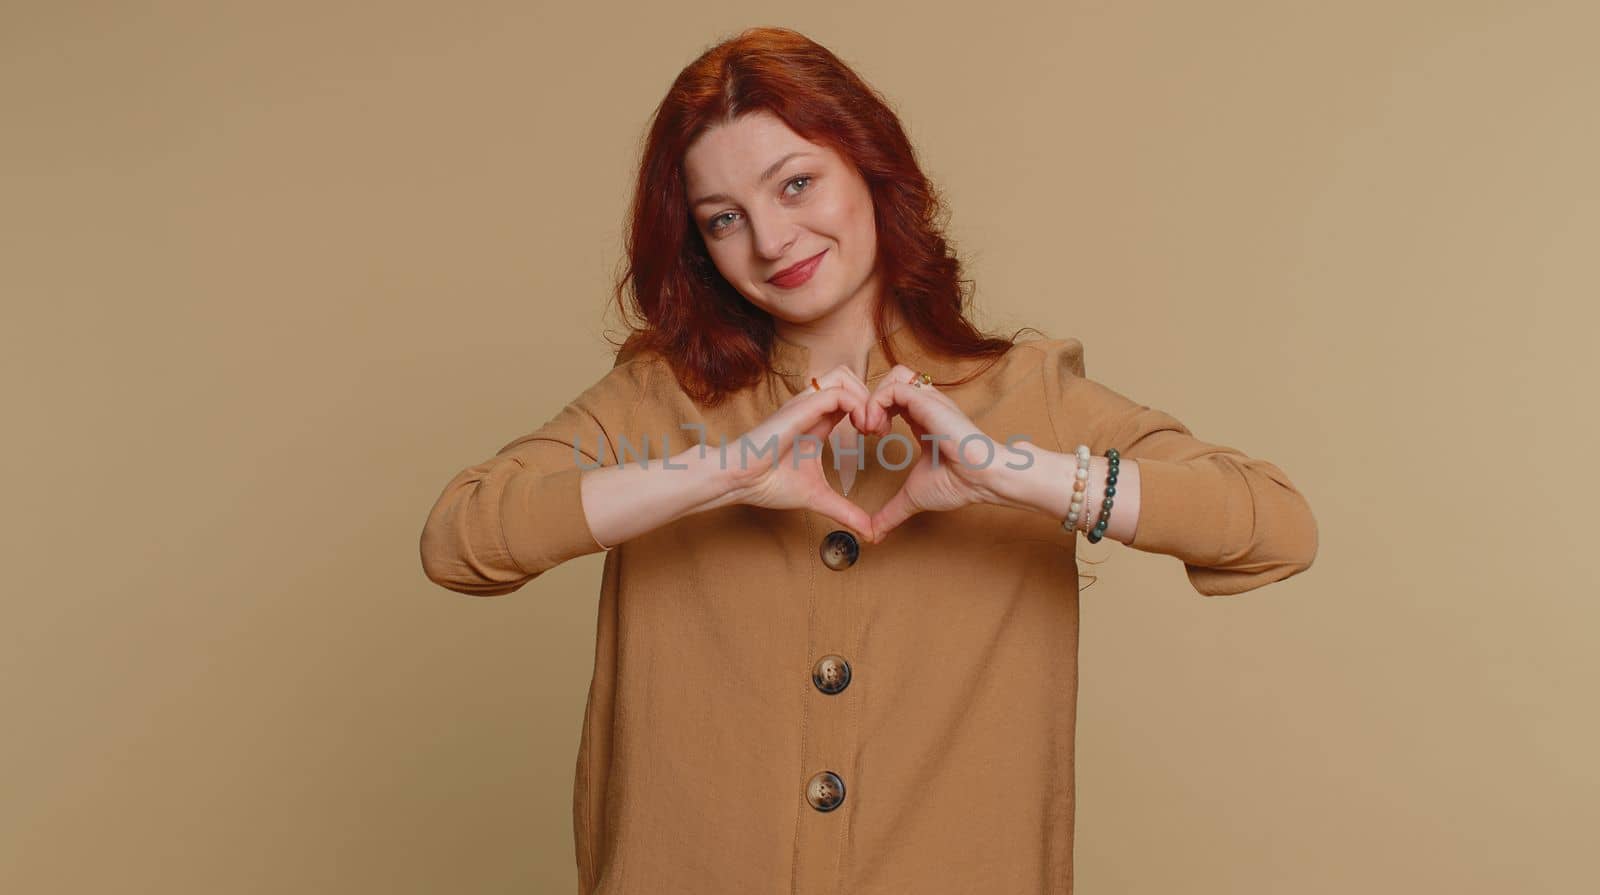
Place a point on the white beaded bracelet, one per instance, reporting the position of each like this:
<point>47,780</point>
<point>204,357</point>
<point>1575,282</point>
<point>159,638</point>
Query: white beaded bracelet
<point>1080,481</point>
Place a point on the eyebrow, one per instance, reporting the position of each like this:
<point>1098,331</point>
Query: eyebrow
<point>765,176</point>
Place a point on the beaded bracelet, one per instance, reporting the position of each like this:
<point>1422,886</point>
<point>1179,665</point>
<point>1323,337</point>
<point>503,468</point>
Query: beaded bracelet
<point>1080,481</point>
<point>1111,490</point>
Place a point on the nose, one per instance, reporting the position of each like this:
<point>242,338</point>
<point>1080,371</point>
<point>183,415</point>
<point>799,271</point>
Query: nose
<point>772,233</point>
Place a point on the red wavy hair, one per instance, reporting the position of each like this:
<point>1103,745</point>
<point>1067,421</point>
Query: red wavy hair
<point>718,342</point>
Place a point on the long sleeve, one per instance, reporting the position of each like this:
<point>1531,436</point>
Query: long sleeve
<point>502,522</point>
<point>1236,522</point>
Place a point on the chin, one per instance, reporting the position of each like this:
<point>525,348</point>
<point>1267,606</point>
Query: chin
<point>810,312</point>
<point>793,309</point>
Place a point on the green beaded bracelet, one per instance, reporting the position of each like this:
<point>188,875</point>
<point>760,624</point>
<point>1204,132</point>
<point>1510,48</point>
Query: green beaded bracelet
<point>1099,530</point>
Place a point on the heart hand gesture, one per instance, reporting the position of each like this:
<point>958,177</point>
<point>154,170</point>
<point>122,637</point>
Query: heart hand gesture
<point>957,464</point>
<point>780,478</point>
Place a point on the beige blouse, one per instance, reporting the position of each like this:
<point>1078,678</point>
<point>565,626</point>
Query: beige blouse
<point>777,707</point>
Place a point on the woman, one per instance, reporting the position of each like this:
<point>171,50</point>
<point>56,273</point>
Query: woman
<point>851,669</point>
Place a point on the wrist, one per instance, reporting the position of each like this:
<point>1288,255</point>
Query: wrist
<point>1045,485</point>
<point>1094,493</point>
<point>1124,515</point>
<point>1028,477</point>
<point>715,482</point>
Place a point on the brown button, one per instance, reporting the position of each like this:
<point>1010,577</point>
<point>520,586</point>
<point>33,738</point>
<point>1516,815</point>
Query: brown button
<point>825,791</point>
<point>839,550</point>
<point>831,674</point>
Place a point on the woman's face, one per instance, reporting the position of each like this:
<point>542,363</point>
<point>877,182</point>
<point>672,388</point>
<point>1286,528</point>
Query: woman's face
<point>765,199</point>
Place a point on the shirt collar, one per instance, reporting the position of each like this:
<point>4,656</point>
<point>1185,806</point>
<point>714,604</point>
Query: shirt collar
<point>791,360</point>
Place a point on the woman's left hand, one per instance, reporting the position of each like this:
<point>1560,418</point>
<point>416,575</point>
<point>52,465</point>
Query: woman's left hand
<point>958,463</point>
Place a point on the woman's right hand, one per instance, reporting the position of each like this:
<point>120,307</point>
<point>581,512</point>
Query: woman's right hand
<point>780,478</point>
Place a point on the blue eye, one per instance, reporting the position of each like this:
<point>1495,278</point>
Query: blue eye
<point>714,226</point>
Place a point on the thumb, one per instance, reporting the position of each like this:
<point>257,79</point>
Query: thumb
<point>830,503</point>
<point>890,515</point>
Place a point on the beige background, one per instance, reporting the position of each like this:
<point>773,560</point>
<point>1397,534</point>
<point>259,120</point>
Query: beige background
<point>273,275</point>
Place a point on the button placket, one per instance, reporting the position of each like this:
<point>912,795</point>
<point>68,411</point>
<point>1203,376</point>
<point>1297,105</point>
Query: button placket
<point>830,715</point>
<point>836,616</point>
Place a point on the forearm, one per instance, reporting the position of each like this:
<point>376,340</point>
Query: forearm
<point>624,501</point>
<point>1046,486</point>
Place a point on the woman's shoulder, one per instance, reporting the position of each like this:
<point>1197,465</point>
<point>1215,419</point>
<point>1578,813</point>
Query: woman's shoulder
<point>1045,354</point>
<point>619,390</point>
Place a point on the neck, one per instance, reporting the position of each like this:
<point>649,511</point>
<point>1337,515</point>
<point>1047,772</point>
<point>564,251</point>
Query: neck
<point>838,339</point>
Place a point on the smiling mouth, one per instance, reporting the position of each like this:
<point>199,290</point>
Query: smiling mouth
<point>797,273</point>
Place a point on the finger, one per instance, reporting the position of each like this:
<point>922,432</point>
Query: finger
<point>831,504</point>
<point>883,407</point>
<point>831,399</point>
<point>877,419</point>
<point>881,403</point>
<point>898,399</point>
<point>890,515</point>
<point>841,377</point>
<point>896,373</point>
<point>833,405</point>
<point>846,378</point>
<point>848,403</point>
<point>901,390</point>
<point>812,413</point>
<point>873,418</point>
<point>859,414</point>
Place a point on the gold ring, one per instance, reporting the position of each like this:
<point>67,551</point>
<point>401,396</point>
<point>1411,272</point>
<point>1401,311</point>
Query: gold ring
<point>921,380</point>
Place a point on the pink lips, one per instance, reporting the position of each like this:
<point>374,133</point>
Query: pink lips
<point>791,277</point>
